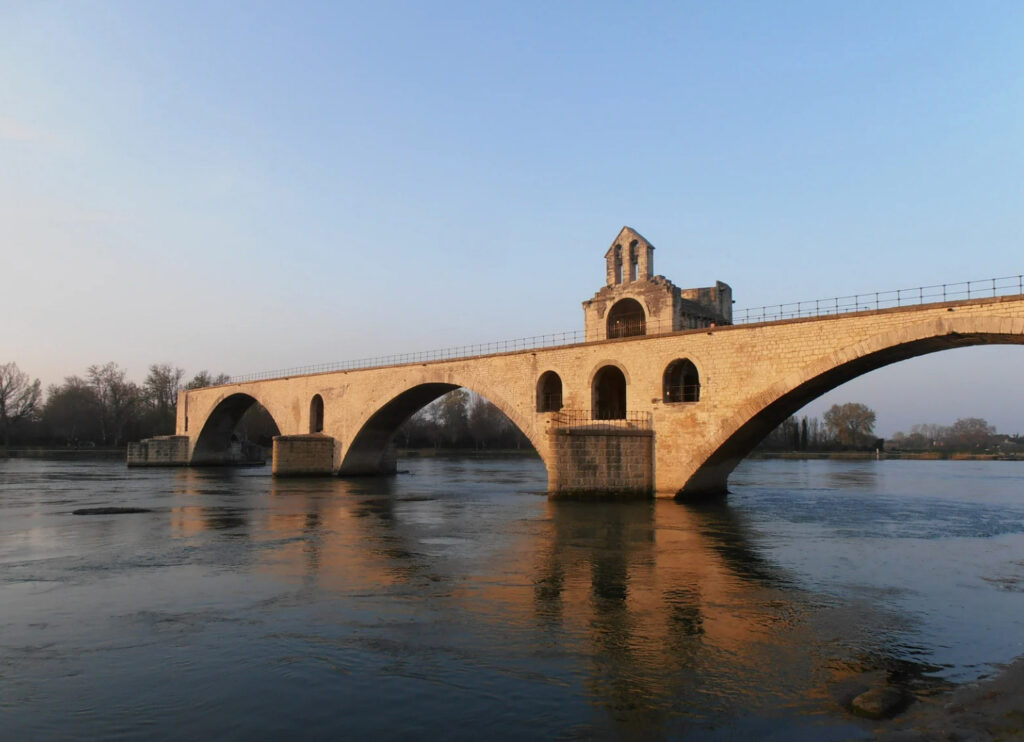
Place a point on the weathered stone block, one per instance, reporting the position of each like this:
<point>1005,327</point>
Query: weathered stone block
<point>163,450</point>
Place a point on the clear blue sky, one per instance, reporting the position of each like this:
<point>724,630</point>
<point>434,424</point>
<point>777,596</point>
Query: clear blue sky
<point>243,186</point>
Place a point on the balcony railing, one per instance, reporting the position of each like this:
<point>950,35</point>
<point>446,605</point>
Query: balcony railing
<point>682,393</point>
<point>603,419</point>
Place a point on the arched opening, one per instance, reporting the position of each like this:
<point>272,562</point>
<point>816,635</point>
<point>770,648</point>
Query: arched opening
<point>549,392</point>
<point>626,319</point>
<point>634,262</point>
<point>316,414</point>
<point>681,382</point>
<point>609,394</point>
<point>238,431</point>
<point>618,264</point>
<point>432,416</point>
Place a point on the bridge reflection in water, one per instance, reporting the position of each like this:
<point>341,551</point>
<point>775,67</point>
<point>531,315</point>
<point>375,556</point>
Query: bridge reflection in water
<point>662,614</point>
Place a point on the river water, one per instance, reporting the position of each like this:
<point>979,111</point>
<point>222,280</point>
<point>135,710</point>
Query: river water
<point>454,600</point>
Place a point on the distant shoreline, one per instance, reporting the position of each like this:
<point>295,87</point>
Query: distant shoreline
<point>864,455</point>
<point>41,452</point>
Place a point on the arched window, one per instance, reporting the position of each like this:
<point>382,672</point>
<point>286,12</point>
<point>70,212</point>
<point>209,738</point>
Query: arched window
<point>316,414</point>
<point>609,394</point>
<point>634,261</point>
<point>549,392</point>
<point>682,382</point>
<point>618,264</point>
<point>626,319</point>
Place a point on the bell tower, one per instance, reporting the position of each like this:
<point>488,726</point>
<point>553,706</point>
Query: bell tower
<point>635,301</point>
<point>629,259</point>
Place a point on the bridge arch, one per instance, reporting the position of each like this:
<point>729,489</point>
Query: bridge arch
<point>765,409</point>
<point>218,442</point>
<point>371,452</point>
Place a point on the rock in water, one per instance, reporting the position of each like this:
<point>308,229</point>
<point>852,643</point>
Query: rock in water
<point>880,703</point>
<point>109,511</point>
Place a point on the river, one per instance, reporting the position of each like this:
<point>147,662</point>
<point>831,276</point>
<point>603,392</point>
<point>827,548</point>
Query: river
<point>455,600</point>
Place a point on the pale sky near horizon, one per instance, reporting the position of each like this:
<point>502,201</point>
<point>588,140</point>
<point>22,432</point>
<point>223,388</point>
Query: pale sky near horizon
<point>243,186</point>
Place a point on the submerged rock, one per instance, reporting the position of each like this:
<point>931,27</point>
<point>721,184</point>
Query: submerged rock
<point>880,703</point>
<point>109,511</point>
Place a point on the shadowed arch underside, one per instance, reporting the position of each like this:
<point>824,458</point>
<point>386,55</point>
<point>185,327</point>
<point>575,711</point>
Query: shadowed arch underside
<point>218,442</point>
<point>748,427</point>
<point>372,452</point>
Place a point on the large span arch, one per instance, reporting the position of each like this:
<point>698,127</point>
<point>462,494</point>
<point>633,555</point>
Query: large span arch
<point>763,412</point>
<point>370,451</point>
<point>218,442</point>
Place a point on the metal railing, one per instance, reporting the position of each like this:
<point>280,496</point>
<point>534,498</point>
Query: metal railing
<point>989,287</point>
<point>682,392</point>
<point>942,292</point>
<point>599,419</point>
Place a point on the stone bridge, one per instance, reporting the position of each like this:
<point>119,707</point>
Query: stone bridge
<point>668,399</point>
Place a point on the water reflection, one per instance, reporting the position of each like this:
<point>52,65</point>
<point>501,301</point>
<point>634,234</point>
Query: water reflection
<point>475,606</point>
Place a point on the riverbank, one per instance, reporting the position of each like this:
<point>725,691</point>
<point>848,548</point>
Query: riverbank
<point>62,453</point>
<point>992,709</point>
<point>887,455</point>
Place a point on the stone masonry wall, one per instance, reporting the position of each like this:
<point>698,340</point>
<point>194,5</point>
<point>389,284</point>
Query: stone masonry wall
<point>164,450</point>
<point>602,462</point>
<point>303,455</point>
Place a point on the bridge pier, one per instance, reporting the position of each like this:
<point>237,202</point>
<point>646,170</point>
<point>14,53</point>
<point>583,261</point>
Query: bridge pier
<point>303,455</point>
<point>162,450</point>
<point>591,462</point>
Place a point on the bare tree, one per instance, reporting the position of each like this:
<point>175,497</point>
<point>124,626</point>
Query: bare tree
<point>161,391</point>
<point>852,423</point>
<point>968,433</point>
<point>19,398</point>
<point>118,400</point>
<point>72,412</point>
<point>204,379</point>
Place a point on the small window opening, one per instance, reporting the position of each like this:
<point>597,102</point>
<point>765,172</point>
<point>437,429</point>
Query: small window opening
<point>549,392</point>
<point>682,382</point>
<point>316,414</point>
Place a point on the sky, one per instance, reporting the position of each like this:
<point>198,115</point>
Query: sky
<point>245,186</point>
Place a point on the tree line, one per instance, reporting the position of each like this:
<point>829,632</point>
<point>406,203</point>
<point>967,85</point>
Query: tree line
<point>851,427</point>
<point>103,407</point>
